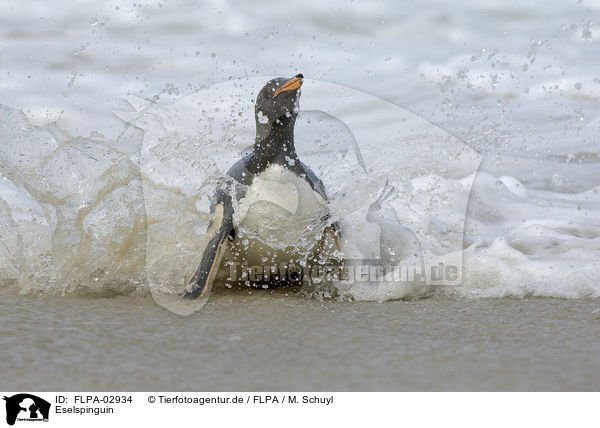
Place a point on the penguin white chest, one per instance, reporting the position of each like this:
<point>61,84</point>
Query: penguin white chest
<point>280,209</point>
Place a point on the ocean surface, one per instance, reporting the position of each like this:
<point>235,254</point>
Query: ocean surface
<point>117,118</point>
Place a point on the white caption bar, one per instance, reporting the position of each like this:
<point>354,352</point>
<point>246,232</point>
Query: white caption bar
<point>291,409</point>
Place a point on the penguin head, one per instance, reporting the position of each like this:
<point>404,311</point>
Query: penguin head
<point>277,103</point>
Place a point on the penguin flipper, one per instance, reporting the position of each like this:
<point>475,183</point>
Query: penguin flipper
<point>202,281</point>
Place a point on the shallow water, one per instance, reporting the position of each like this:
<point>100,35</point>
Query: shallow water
<point>517,83</point>
<point>82,216</point>
<point>270,341</point>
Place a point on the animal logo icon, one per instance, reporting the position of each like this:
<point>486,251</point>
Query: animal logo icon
<point>26,407</point>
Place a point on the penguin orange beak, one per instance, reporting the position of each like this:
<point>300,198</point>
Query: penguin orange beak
<point>294,83</point>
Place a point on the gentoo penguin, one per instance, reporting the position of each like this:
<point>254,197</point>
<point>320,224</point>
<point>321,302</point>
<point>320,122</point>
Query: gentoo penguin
<point>272,211</point>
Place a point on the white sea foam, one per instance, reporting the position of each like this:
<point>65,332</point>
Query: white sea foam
<point>73,217</point>
<point>72,212</point>
<point>515,82</point>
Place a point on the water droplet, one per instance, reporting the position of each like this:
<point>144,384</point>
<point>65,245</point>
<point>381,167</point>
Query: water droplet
<point>557,180</point>
<point>171,89</point>
<point>290,161</point>
<point>262,118</point>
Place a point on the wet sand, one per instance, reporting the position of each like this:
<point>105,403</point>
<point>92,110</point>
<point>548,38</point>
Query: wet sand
<point>273,341</point>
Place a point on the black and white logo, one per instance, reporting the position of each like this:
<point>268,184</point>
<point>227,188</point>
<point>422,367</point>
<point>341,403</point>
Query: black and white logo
<point>26,407</point>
